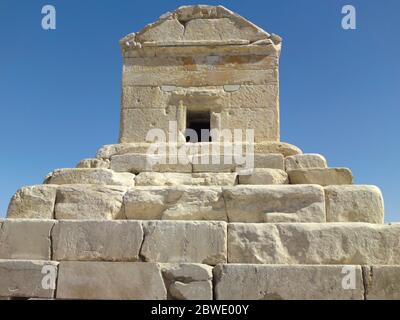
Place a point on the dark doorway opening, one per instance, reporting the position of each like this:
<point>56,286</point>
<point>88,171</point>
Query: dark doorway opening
<point>199,121</point>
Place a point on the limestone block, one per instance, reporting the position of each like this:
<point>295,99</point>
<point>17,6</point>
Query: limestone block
<point>193,179</point>
<point>94,163</point>
<point>186,13</point>
<point>175,203</point>
<point>314,243</point>
<point>136,123</point>
<point>303,161</point>
<point>110,281</point>
<point>25,239</point>
<point>382,282</point>
<point>97,176</point>
<point>210,77</point>
<point>162,30</point>
<point>187,272</point>
<point>89,202</point>
<point>256,96</point>
<point>260,176</point>
<point>97,240</point>
<point>213,163</point>
<point>144,97</point>
<point>23,278</point>
<point>321,176</point>
<point>265,147</point>
<point>223,28</point>
<point>264,122</point>
<point>277,203</point>
<point>177,242</point>
<point>33,202</point>
<point>284,282</point>
<point>203,62</point>
<point>197,290</point>
<point>137,163</point>
<point>188,281</point>
<point>354,203</point>
<point>268,160</point>
<point>286,149</point>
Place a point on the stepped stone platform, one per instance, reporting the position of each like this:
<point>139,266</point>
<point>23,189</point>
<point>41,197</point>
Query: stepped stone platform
<point>193,220</point>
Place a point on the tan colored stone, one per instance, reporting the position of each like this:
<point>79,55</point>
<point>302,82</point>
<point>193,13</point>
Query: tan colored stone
<point>24,278</point>
<point>89,202</point>
<point>303,161</point>
<point>25,239</point>
<point>275,203</point>
<point>33,202</point>
<point>177,242</point>
<point>164,30</point>
<point>137,163</point>
<point>136,123</point>
<point>314,243</point>
<point>144,97</point>
<point>110,280</point>
<point>283,282</point>
<point>213,163</point>
<point>197,290</point>
<point>175,203</point>
<point>187,272</point>
<point>94,163</point>
<point>260,176</point>
<point>97,176</point>
<point>200,78</point>
<point>194,179</point>
<point>267,147</point>
<point>354,203</point>
<point>97,240</point>
<point>223,28</point>
<point>382,282</point>
<point>202,63</point>
<point>321,176</point>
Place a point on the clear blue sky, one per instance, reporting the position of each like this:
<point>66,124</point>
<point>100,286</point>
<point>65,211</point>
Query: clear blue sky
<point>60,90</point>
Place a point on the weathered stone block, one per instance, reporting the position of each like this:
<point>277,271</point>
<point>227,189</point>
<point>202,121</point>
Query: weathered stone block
<point>321,176</point>
<point>303,161</point>
<point>94,163</point>
<point>33,202</point>
<point>275,203</point>
<point>314,243</point>
<point>98,176</point>
<point>175,203</point>
<point>177,242</point>
<point>354,203</point>
<point>265,122</point>
<point>89,202</point>
<point>260,176</point>
<point>193,179</point>
<point>137,163</point>
<point>280,282</point>
<point>24,278</point>
<point>382,282</point>
<point>136,123</point>
<point>110,280</point>
<point>187,281</point>
<point>25,239</point>
<point>196,290</point>
<point>97,240</point>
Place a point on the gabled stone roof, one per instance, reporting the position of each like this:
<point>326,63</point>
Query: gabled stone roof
<point>200,25</point>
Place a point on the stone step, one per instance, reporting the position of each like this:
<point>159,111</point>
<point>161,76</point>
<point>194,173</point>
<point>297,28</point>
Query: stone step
<point>321,176</point>
<point>239,203</point>
<point>314,243</point>
<point>200,242</point>
<point>286,149</point>
<point>136,163</point>
<point>185,281</point>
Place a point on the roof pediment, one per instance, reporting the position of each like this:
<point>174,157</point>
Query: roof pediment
<point>200,24</point>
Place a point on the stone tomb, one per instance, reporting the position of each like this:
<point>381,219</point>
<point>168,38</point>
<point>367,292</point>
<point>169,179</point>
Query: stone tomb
<point>125,225</point>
